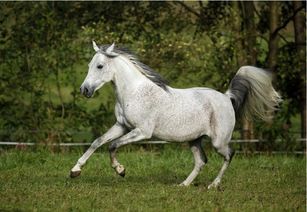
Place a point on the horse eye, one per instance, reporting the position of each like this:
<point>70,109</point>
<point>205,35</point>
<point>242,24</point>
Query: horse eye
<point>100,66</point>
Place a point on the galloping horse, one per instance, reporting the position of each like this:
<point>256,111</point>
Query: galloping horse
<point>146,106</point>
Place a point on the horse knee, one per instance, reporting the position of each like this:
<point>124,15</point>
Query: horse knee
<point>200,165</point>
<point>96,144</point>
<point>231,154</point>
<point>112,147</point>
<point>225,151</point>
<point>220,147</point>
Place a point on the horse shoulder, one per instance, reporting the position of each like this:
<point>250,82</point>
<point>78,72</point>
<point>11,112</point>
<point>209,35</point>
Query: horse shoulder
<point>119,113</point>
<point>120,116</point>
<point>138,109</point>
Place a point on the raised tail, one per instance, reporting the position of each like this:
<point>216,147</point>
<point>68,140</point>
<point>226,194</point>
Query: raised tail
<point>252,94</point>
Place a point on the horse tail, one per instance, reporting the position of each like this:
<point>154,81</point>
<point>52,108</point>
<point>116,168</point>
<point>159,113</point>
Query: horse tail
<point>252,94</point>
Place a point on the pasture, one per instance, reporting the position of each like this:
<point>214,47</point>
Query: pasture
<point>38,181</point>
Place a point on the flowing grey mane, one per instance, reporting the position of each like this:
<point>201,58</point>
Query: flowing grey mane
<point>151,74</point>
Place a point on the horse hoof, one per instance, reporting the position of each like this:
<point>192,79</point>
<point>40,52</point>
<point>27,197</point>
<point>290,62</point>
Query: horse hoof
<point>74,174</point>
<point>120,170</point>
<point>182,185</point>
<point>213,185</point>
<point>123,173</point>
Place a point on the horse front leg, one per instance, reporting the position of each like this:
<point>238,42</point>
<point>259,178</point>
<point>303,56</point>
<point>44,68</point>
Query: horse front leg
<point>131,137</point>
<point>113,133</point>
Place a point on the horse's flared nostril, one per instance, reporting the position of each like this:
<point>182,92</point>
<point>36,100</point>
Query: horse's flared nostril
<point>85,91</point>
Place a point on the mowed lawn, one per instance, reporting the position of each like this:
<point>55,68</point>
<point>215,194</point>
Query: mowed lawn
<point>38,181</point>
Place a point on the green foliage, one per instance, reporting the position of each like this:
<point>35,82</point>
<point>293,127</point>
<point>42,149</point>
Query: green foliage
<point>290,80</point>
<point>45,48</point>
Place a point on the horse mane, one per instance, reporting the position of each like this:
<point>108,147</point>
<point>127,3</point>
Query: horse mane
<point>148,72</point>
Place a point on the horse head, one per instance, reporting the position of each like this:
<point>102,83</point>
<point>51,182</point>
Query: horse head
<point>99,70</point>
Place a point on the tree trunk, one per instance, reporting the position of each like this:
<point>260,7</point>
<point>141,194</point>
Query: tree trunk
<point>300,35</point>
<point>273,42</point>
<point>273,47</point>
<point>249,45</point>
<point>250,31</point>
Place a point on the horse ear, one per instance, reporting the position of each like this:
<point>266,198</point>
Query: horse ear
<point>96,48</point>
<point>110,49</point>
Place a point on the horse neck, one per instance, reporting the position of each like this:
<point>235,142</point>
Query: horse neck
<point>127,78</point>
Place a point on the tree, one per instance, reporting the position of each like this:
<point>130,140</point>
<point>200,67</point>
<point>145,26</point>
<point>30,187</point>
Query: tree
<point>273,39</point>
<point>300,38</point>
<point>44,44</point>
<point>249,29</point>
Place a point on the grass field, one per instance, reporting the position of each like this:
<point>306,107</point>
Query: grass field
<point>38,181</point>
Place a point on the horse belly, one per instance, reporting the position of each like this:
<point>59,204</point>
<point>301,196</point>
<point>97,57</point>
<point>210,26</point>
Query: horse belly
<point>189,115</point>
<point>182,128</point>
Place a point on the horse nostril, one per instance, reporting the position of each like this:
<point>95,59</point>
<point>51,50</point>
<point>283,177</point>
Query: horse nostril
<point>86,91</point>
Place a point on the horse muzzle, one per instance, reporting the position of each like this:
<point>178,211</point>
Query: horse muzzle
<point>87,91</point>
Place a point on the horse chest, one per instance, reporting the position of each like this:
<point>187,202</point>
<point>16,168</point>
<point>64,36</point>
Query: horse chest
<point>129,114</point>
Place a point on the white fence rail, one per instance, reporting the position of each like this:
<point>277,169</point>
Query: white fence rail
<point>8,143</point>
<point>23,144</point>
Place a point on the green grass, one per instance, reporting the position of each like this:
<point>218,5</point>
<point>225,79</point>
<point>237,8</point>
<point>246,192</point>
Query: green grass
<point>38,181</point>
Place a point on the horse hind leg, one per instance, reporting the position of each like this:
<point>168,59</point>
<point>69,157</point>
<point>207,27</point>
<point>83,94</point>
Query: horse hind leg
<point>223,149</point>
<point>199,158</point>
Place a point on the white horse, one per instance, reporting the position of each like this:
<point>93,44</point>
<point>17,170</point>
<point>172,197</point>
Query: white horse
<point>147,107</point>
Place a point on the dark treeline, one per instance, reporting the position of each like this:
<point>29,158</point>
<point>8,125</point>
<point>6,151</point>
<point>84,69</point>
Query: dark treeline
<point>45,48</point>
